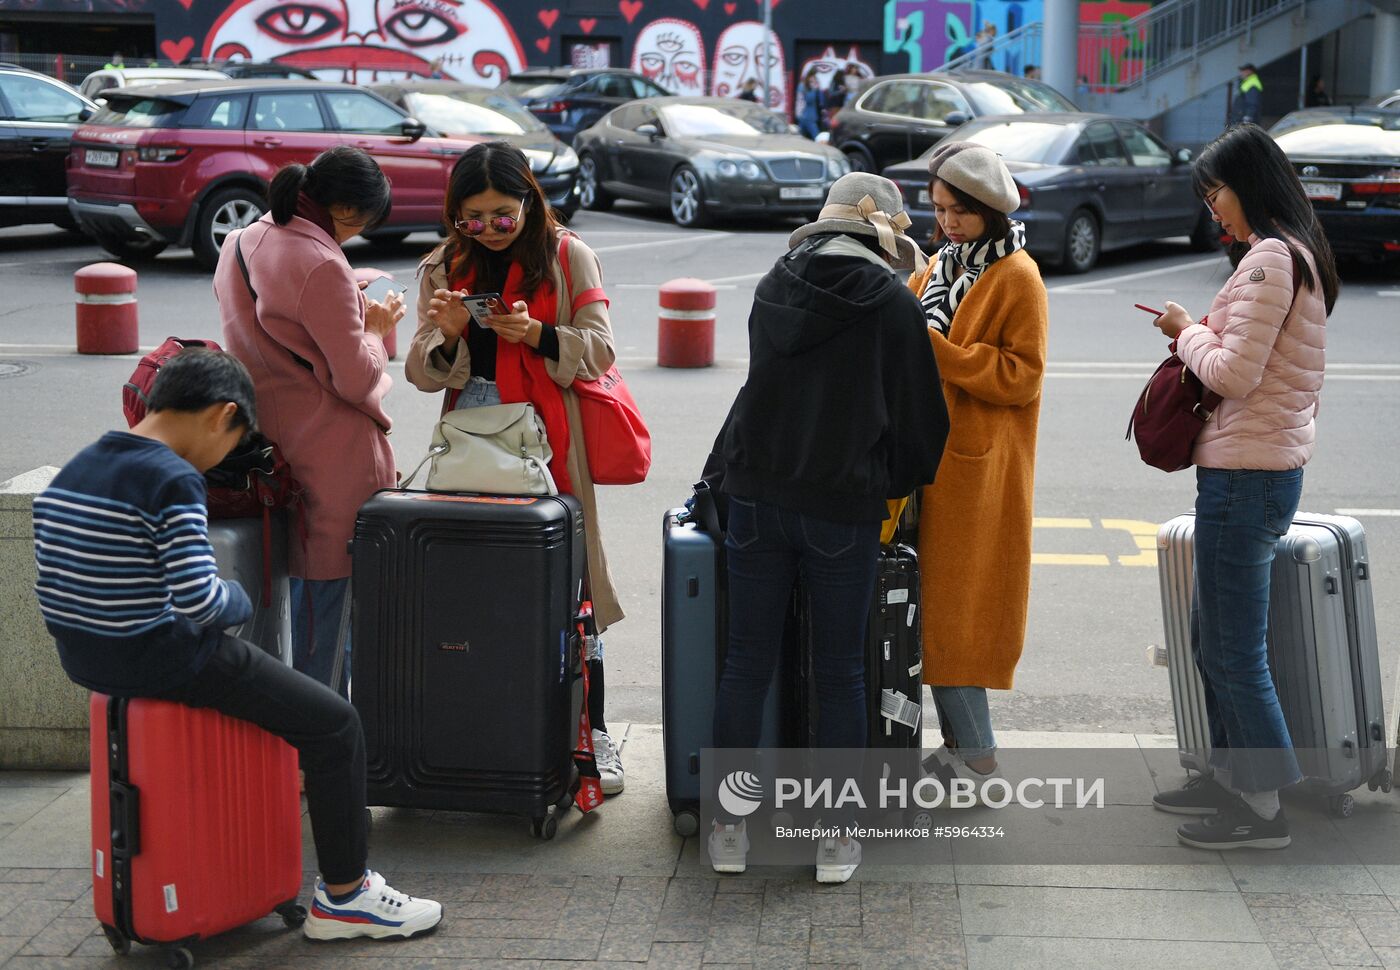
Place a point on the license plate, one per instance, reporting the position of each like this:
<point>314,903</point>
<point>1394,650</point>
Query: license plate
<point>801,192</point>
<point>1325,191</point>
<point>102,159</point>
<point>924,199</point>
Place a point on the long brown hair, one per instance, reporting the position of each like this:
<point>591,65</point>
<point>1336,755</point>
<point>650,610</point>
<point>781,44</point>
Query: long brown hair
<point>997,224</point>
<point>503,167</point>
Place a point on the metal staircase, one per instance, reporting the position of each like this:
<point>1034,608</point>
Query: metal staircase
<point>1143,67</point>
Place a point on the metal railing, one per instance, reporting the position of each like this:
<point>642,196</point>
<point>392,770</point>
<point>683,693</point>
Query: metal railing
<point>72,68</point>
<point>1010,52</point>
<point>1117,56</point>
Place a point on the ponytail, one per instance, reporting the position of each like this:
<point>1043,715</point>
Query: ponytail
<point>338,176</point>
<point>282,193</point>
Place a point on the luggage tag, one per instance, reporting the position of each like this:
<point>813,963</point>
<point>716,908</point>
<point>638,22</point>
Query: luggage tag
<point>590,787</point>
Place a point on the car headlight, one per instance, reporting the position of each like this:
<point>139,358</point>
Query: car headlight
<point>565,161</point>
<point>750,170</point>
<point>728,169</point>
<point>837,167</point>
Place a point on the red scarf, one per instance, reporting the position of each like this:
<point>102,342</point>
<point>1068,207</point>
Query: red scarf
<point>521,375</point>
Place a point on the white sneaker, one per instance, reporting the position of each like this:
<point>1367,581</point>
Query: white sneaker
<point>837,860</point>
<point>729,847</point>
<point>609,758</point>
<point>961,769</point>
<point>376,911</point>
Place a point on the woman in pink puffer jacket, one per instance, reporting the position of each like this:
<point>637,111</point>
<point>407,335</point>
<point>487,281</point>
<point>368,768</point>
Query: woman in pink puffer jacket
<point>1261,348</point>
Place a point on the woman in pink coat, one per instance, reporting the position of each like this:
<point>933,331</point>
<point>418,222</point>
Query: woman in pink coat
<point>315,348</point>
<point>1261,349</point>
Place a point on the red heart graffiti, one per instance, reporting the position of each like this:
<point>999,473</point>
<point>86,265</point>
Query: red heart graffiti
<point>542,44</point>
<point>187,3</point>
<point>177,51</point>
<point>702,4</point>
<point>548,17</point>
<point>729,8</point>
<point>588,23</point>
<point>630,9</point>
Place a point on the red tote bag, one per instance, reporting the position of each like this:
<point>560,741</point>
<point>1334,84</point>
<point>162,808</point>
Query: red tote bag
<point>614,434</point>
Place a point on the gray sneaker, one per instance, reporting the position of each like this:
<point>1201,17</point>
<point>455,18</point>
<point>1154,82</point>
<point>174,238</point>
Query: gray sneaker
<point>837,860</point>
<point>729,848</point>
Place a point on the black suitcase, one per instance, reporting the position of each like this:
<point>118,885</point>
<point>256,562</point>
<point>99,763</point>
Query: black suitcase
<point>894,659</point>
<point>240,554</point>
<point>466,665</point>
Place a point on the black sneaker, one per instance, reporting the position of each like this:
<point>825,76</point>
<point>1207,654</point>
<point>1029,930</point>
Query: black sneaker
<point>1202,795</point>
<point>1236,827</point>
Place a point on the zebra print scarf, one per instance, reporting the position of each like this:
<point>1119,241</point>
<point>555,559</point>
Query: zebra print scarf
<point>942,293</point>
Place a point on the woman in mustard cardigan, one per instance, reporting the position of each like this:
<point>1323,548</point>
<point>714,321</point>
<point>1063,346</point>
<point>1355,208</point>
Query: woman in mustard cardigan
<point>988,321</point>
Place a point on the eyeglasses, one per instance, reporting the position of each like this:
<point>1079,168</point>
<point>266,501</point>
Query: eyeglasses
<point>1210,198</point>
<point>505,224</point>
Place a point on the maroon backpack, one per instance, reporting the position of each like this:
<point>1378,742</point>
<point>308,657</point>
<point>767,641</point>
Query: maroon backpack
<point>137,391</point>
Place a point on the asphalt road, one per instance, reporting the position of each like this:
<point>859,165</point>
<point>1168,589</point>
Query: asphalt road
<point>1094,602</point>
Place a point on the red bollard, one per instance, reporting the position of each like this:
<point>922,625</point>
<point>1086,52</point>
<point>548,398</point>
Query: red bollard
<point>391,340</point>
<point>686,327</point>
<point>106,309</point>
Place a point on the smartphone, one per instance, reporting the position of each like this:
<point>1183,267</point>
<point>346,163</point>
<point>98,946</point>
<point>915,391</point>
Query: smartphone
<point>380,289</point>
<point>483,305</point>
<point>1147,309</point>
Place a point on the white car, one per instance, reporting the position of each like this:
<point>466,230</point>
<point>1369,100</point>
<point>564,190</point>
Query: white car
<point>121,77</point>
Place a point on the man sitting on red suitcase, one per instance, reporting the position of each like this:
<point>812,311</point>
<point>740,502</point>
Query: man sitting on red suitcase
<point>128,587</point>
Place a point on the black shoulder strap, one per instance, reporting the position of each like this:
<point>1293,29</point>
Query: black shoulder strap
<point>248,280</point>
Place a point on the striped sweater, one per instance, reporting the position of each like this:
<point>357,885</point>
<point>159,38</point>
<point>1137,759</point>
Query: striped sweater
<point>127,580</point>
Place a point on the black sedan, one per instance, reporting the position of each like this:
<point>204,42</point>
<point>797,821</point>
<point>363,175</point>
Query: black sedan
<point>901,116</point>
<point>1088,183</point>
<point>38,116</point>
<point>463,111</point>
<point>1349,163</point>
<point>569,100</point>
<point>702,157</point>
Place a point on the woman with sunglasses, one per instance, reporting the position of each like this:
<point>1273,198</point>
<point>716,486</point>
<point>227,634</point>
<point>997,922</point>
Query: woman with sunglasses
<point>294,315</point>
<point>1260,348</point>
<point>504,239</point>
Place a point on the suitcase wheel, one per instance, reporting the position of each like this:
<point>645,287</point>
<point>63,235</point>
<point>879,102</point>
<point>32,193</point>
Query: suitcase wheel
<point>1341,805</point>
<point>120,944</point>
<point>544,828</point>
<point>687,823</point>
<point>179,958</point>
<point>293,914</point>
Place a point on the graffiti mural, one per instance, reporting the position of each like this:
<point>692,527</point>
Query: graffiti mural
<point>739,57</point>
<point>828,65</point>
<point>931,32</point>
<point>1121,59</point>
<point>671,52</point>
<point>356,41</point>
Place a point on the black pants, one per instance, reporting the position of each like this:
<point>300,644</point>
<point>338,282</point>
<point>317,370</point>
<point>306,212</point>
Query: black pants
<point>244,682</point>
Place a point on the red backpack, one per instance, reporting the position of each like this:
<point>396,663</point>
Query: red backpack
<point>137,391</point>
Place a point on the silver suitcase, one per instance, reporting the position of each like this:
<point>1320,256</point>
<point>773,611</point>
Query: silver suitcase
<point>238,551</point>
<point>1322,653</point>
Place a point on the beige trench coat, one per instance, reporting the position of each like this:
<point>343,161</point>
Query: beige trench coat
<point>586,351</point>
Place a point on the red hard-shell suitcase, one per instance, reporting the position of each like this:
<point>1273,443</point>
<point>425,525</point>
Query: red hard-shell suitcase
<point>196,824</point>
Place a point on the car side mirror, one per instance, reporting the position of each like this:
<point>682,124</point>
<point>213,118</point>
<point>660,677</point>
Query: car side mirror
<point>1182,156</point>
<point>413,129</point>
<point>650,130</point>
<point>954,119</point>
<point>86,113</point>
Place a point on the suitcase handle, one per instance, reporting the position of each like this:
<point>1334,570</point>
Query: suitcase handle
<point>125,819</point>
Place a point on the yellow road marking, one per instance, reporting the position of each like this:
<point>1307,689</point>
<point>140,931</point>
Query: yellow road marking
<point>1143,534</point>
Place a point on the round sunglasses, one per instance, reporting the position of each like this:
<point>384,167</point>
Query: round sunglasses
<point>505,224</point>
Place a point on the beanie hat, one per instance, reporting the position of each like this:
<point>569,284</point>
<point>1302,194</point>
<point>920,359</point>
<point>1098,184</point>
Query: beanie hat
<point>978,171</point>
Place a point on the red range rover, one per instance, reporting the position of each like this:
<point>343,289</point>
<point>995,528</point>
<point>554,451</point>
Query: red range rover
<point>185,164</point>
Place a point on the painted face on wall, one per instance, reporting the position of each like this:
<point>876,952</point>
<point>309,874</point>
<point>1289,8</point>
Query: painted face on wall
<point>371,40</point>
<point>671,52</point>
<point>829,65</point>
<point>739,56</point>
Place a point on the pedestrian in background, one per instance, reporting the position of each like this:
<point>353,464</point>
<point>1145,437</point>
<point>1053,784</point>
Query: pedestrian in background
<point>1249,98</point>
<point>1317,96</point>
<point>1033,72</point>
<point>1261,348</point>
<point>987,316</point>
<point>840,412</point>
<point>749,92</point>
<point>293,313</point>
<point>504,239</point>
<point>116,63</point>
<point>811,105</point>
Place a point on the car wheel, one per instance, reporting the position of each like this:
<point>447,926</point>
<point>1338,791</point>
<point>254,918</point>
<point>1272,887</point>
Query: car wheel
<point>1081,242</point>
<point>133,250</point>
<point>590,189</point>
<point>387,240</point>
<point>860,158</point>
<point>221,214</point>
<point>687,199</point>
<point>1205,238</point>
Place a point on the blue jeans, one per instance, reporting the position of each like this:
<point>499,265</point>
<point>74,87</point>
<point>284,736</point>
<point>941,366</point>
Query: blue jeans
<point>314,637</point>
<point>963,715</point>
<point>478,393</point>
<point>767,545</point>
<point>1240,516</point>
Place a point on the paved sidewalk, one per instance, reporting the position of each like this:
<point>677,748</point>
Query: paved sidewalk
<point>620,889</point>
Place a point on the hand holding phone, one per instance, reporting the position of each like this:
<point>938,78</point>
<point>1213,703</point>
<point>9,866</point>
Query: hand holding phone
<point>1148,309</point>
<point>378,291</point>
<point>483,305</point>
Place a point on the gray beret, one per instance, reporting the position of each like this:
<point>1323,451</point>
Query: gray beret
<point>978,171</point>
